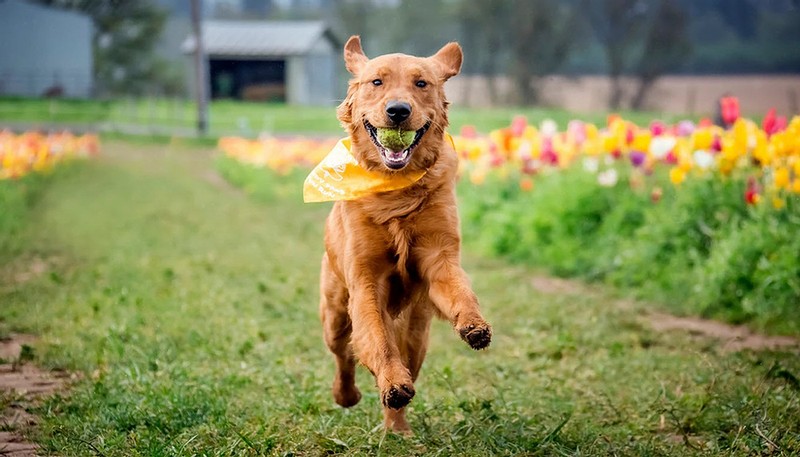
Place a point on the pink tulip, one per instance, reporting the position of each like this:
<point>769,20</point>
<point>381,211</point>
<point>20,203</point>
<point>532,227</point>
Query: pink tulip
<point>657,128</point>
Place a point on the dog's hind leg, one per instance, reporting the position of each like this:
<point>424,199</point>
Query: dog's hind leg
<point>337,329</point>
<point>414,344</point>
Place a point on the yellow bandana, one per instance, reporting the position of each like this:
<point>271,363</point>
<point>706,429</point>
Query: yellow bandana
<point>340,177</point>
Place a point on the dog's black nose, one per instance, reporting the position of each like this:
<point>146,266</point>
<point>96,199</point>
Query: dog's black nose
<point>398,111</point>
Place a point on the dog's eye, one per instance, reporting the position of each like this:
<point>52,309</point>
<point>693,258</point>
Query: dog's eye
<point>421,83</point>
<point>377,82</point>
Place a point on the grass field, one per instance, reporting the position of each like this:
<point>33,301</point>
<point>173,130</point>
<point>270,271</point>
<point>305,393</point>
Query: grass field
<point>249,119</point>
<point>189,309</point>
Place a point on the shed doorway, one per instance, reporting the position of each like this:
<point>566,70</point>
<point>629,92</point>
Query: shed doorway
<point>254,80</point>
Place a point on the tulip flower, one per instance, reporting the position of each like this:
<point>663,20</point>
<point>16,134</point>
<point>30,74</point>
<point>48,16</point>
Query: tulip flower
<point>782,179</point>
<point>769,124</point>
<point>684,128</point>
<point>751,193</point>
<point>637,158</point>
<point>729,110</point>
<point>608,178</point>
<point>703,159</point>
<point>677,175</point>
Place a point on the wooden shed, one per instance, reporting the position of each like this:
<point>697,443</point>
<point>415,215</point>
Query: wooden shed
<point>287,61</point>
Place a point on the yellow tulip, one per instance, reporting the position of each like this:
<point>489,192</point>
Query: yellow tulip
<point>702,138</point>
<point>726,166</point>
<point>641,141</point>
<point>782,178</point>
<point>677,175</point>
<point>610,143</point>
<point>591,132</point>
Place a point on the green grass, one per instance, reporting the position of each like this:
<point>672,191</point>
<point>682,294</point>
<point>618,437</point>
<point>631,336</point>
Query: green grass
<point>190,310</point>
<point>17,197</point>
<point>157,116</point>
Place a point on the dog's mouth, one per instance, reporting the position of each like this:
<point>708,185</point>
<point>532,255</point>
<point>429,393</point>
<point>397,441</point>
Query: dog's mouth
<point>395,160</point>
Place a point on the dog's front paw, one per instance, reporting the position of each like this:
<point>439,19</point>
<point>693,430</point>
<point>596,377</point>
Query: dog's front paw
<point>477,335</point>
<point>397,395</point>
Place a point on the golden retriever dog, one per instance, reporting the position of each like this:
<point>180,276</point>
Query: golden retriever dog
<point>392,259</point>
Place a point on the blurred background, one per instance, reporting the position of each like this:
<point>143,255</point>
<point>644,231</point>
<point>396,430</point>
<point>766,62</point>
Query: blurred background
<point>135,58</point>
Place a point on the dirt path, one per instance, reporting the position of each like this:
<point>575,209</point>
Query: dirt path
<point>729,338</point>
<point>21,386</point>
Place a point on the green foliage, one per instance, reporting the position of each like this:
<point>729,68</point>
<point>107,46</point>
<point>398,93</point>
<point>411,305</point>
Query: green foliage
<point>678,234</point>
<point>16,199</point>
<point>260,184</point>
<point>572,232</point>
<point>753,272</point>
<point>699,250</point>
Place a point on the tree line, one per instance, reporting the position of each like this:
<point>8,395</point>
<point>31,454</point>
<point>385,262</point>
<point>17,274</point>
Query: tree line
<point>524,40</point>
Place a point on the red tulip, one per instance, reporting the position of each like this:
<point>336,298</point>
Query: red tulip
<point>518,125</point>
<point>751,195</point>
<point>773,124</point>
<point>716,144</point>
<point>729,107</point>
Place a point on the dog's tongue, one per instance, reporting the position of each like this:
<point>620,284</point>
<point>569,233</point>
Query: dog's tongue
<point>394,155</point>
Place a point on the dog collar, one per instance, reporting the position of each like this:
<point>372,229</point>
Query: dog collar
<point>340,177</point>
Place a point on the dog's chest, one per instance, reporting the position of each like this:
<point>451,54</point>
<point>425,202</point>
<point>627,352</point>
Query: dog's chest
<point>401,241</point>
<point>404,280</point>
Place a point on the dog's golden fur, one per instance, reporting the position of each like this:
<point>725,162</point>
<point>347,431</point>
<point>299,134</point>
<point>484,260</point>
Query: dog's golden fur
<point>392,260</point>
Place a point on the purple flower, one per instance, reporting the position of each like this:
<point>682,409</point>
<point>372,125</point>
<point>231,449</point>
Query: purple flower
<point>685,128</point>
<point>637,158</point>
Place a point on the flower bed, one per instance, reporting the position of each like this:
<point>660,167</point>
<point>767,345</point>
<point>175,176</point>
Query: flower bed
<point>279,154</point>
<point>768,157</point>
<point>21,157</point>
<point>34,151</point>
<point>700,218</point>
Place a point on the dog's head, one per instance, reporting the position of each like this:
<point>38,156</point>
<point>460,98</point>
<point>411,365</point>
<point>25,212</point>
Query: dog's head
<point>400,92</point>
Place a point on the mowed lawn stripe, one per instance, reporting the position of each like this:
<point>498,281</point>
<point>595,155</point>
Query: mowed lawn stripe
<point>189,308</point>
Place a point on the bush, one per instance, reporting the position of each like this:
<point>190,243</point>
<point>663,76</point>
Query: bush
<point>753,272</point>
<point>700,249</point>
<point>568,224</point>
<point>677,235</point>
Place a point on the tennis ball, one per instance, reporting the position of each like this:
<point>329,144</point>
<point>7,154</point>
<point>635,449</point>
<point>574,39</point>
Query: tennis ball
<point>395,139</point>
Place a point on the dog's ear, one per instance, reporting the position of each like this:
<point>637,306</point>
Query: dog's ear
<point>354,57</point>
<point>449,59</point>
<point>344,112</point>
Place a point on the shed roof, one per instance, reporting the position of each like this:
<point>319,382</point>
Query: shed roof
<point>259,38</point>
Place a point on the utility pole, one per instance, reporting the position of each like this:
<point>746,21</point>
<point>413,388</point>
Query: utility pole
<point>200,74</point>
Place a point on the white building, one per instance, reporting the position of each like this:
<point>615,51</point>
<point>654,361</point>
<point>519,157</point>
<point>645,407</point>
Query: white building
<point>44,51</point>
